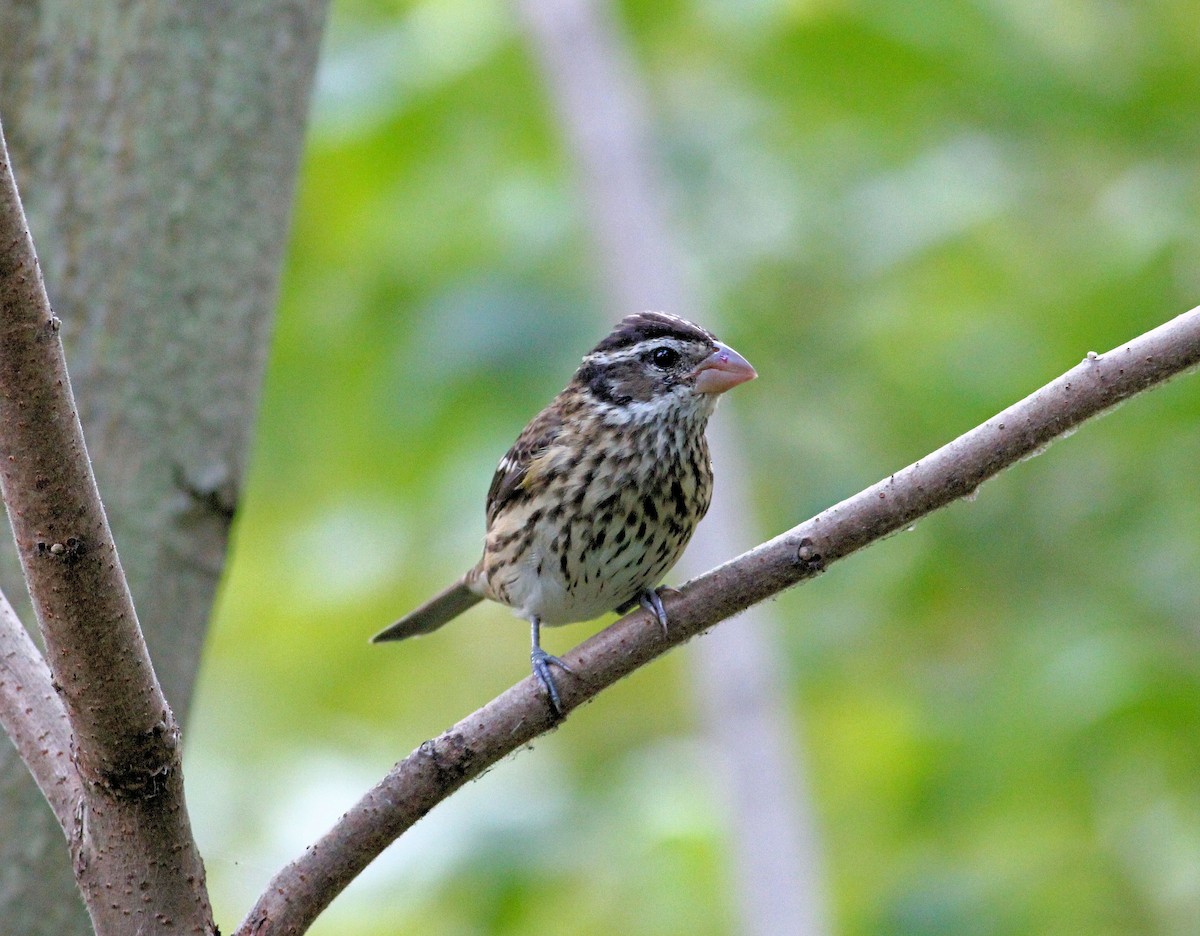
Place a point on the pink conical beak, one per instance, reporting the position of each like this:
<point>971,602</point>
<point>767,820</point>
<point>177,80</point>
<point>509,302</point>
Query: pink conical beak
<point>722,370</point>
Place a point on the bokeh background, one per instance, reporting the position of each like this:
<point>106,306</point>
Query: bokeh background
<point>907,216</point>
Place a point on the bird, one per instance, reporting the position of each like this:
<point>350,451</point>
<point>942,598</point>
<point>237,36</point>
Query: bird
<point>602,490</point>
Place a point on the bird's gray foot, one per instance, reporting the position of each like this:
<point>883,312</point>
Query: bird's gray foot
<point>541,662</point>
<point>651,600</point>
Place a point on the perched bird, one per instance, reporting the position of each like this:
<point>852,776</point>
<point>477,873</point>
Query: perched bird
<point>601,492</point>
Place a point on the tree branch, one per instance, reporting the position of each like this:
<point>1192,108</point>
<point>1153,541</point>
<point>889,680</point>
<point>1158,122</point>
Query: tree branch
<point>62,535</point>
<point>135,828</point>
<point>440,766</point>
<point>32,714</point>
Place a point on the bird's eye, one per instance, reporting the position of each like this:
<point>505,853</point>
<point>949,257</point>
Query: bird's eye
<point>664,357</point>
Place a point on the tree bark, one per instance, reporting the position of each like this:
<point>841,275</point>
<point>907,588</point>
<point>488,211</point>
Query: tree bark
<point>156,144</point>
<point>132,845</point>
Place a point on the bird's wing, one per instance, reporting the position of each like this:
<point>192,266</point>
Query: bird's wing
<point>513,473</point>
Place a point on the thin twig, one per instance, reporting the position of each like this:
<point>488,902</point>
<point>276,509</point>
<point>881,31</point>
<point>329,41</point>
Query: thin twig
<point>440,766</point>
<point>32,714</point>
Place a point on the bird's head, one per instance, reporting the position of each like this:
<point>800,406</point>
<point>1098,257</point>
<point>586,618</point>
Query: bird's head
<point>654,363</point>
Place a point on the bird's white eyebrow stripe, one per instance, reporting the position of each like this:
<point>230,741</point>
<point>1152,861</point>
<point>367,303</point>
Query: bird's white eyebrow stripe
<point>633,352</point>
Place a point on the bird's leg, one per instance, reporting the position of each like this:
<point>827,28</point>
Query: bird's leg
<point>651,600</point>
<point>542,661</point>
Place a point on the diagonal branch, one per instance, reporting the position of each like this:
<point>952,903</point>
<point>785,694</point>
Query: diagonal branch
<point>440,766</point>
<point>134,826</point>
<point>83,605</point>
<point>32,714</point>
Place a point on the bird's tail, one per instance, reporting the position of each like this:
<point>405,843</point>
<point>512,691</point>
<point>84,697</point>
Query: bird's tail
<point>438,610</point>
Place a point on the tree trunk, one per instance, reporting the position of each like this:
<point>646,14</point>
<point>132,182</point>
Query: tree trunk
<point>156,144</point>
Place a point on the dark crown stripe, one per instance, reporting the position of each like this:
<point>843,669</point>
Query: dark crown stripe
<point>645,326</point>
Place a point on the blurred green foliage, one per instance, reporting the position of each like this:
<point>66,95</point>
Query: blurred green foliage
<point>908,215</point>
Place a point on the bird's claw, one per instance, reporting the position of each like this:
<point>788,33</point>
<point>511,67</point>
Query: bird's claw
<point>651,600</point>
<point>542,661</point>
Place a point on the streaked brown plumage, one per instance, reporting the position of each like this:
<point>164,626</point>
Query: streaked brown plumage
<point>601,492</point>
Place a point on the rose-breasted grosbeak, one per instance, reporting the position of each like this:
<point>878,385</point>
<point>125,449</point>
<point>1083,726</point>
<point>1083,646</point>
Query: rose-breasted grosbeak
<point>602,490</point>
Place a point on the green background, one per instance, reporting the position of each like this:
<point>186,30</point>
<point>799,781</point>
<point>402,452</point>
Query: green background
<point>908,216</point>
